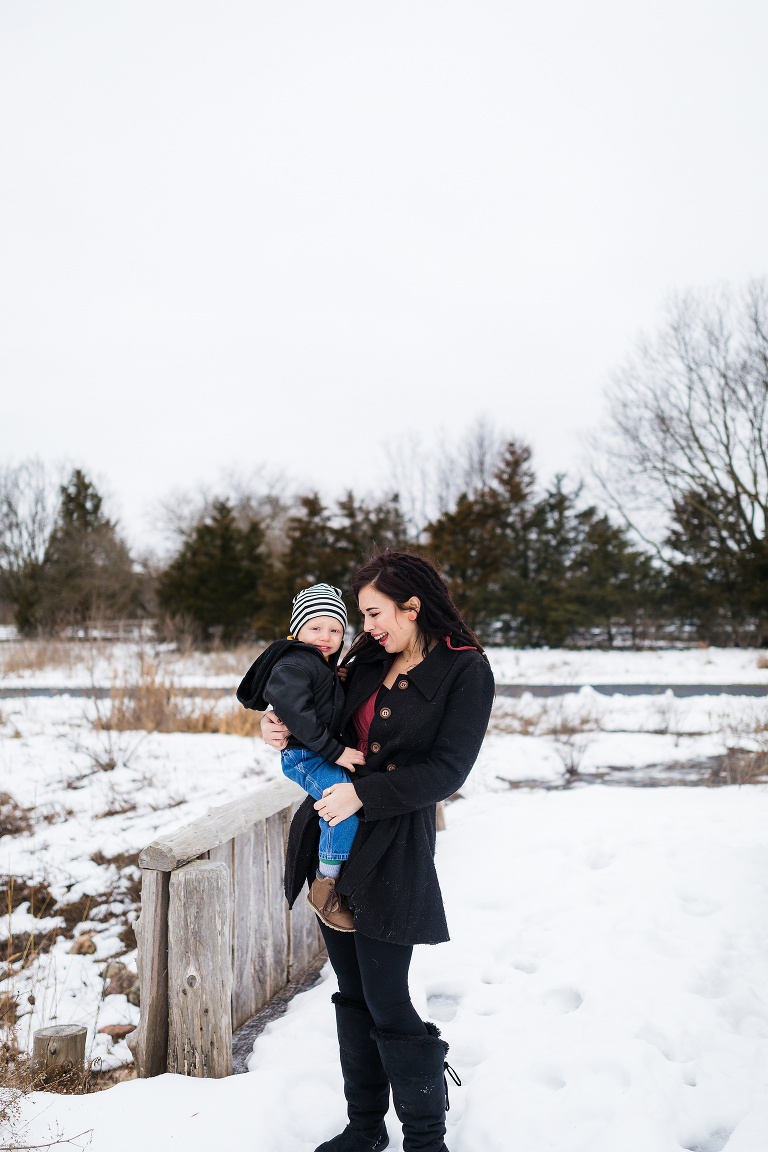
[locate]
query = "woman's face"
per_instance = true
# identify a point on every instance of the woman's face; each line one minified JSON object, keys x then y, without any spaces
{"x":389,"y":625}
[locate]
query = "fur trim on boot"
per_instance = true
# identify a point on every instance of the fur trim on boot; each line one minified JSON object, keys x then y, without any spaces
{"x":416,"y":1069}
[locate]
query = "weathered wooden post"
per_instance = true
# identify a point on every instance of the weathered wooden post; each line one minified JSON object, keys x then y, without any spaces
{"x":200,"y":970}
{"x":60,"y":1048}
{"x":215,"y":938}
{"x":149,"y":1043}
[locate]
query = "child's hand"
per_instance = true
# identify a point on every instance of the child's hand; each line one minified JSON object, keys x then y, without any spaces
{"x":349,"y":758}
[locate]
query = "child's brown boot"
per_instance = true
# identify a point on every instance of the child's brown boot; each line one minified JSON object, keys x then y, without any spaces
{"x":332,"y":908}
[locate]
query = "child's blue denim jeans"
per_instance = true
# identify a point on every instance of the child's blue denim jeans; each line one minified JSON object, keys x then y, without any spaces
{"x":314,"y":775}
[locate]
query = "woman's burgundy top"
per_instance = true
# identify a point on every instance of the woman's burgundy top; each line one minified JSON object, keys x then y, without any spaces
{"x":362,"y":721}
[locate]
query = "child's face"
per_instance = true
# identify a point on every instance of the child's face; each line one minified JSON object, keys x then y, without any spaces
{"x":323,"y":632}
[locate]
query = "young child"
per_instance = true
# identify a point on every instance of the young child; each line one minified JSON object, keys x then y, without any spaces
{"x":298,"y":678}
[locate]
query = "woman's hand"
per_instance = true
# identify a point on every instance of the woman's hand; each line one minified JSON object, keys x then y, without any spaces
{"x":273,"y":731}
{"x":338,"y":802}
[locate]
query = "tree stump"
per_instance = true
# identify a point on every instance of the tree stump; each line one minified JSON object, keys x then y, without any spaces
{"x":60,"y":1049}
{"x":200,"y":970}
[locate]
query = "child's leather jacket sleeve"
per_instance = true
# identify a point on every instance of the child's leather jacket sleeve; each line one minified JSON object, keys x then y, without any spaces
{"x":291,"y":692}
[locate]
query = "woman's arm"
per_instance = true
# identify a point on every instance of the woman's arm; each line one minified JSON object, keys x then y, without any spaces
{"x":424,"y":782}
{"x":273,"y":731}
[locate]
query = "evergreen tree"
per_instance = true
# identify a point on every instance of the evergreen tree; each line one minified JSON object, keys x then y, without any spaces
{"x":307,"y":558}
{"x":217,"y":578}
{"x":87,"y":571}
{"x":328,"y":547}
{"x":482,"y":545}
{"x":528,"y":571}
{"x":358,"y":530}
{"x":471,"y":546}
{"x":717,"y":571}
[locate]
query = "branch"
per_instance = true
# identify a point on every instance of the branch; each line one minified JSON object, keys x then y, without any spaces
{"x":50,"y":1144}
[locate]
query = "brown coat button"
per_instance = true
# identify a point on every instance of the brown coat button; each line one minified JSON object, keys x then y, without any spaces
{"x":385,"y":713}
{"x":402,"y":683}
{"x":375,"y":747}
{"x":391,"y":767}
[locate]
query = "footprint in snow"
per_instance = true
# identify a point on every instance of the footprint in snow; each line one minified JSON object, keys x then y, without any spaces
{"x":563,"y":999}
{"x":443,"y":1005}
{"x":715,"y":1141}
{"x":527,"y":966}
{"x":548,"y":1076}
{"x":695,"y":905}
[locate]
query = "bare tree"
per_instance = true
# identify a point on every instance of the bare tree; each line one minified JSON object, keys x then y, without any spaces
{"x":256,"y":495}
{"x":430,"y":480}
{"x":688,"y":421}
{"x":29,"y":503}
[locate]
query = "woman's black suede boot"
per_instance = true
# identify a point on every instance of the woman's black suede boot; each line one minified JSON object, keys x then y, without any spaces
{"x":416,"y":1066}
{"x":365,"y":1082}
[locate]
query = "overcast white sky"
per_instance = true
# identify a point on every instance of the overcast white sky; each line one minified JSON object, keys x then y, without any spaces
{"x":243,"y":233}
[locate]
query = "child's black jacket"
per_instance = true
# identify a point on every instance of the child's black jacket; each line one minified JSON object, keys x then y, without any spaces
{"x":304,"y":690}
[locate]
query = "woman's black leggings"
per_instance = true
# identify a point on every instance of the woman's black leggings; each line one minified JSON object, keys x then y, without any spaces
{"x":375,"y":973}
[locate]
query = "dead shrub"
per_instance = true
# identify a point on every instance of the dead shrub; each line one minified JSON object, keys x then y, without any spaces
{"x":14,"y":820}
{"x":745,"y":742}
{"x":515,"y":717}
{"x":762,"y":661}
{"x":572,"y":733}
{"x":37,"y":655}
{"x":154,"y":703}
{"x":9,"y":1010}
{"x":15,"y":891}
{"x":231,"y":661}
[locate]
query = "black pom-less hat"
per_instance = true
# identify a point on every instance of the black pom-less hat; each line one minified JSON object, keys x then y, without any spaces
{"x":319,"y":600}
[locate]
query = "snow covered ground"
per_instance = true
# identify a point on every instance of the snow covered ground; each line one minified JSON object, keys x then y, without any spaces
{"x":606,"y":986}
{"x":82,"y":665}
{"x":605,"y":989}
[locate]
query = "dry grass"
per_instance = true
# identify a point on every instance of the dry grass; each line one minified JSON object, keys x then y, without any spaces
{"x":14,"y":820}
{"x":230,"y":661}
{"x":762,"y":662}
{"x":35,"y":655}
{"x":151,"y":702}
{"x":745,"y":742}
{"x":516,"y":717}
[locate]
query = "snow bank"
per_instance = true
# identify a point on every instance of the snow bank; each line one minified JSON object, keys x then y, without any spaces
{"x":605,"y":988}
{"x":663,"y":666}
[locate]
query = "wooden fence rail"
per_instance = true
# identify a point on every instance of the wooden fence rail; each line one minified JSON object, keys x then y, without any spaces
{"x":215,"y":938}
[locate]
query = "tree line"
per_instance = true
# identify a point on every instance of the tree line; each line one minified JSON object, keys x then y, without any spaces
{"x":678,"y":550}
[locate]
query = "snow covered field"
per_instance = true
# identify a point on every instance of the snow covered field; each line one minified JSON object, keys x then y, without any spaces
{"x":604,"y":990}
{"x":83,"y":665}
{"x":606,"y":986}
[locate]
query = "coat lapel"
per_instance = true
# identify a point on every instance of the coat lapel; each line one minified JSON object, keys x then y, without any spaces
{"x":429,"y":675}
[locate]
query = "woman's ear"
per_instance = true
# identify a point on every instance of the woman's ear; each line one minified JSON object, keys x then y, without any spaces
{"x":412,"y":607}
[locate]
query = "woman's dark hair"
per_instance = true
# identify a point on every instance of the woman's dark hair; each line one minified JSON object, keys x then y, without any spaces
{"x":401,"y":575}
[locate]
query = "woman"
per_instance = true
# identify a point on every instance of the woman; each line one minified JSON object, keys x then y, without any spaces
{"x":419,"y":691}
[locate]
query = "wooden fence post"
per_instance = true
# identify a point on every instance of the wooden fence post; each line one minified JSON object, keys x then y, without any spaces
{"x":200,"y":970}
{"x":60,"y":1047}
{"x":149,"y":1043}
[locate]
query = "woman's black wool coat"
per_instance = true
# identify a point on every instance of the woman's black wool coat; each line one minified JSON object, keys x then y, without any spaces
{"x":424,"y":738}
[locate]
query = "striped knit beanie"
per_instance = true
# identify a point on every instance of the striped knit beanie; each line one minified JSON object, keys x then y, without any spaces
{"x":319,"y":600}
